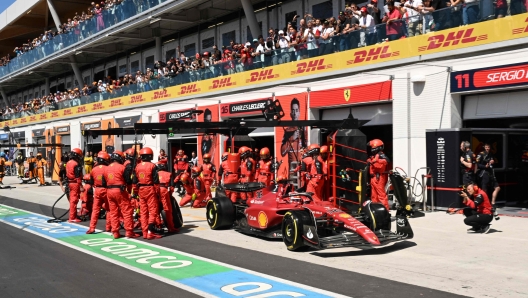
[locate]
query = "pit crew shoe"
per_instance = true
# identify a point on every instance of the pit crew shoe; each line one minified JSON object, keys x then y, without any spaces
{"x":485,"y":229}
{"x":90,"y":231}
{"x":471,"y":230}
{"x":74,"y":220}
{"x":152,"y":236}
{"x":131,"y":235}
{"x":117,"y":235}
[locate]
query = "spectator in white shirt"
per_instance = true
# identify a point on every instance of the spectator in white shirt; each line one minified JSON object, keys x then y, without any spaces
{"x":367,"y":23}
{"x":310,"y":37}
{"x":325,"y":42}
{"x":413,"y":17}
{"x":284,"y":42}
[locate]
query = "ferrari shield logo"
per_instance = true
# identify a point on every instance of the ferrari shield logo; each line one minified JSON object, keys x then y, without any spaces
{"x":346,"y":94}
{"x":110,"y":176}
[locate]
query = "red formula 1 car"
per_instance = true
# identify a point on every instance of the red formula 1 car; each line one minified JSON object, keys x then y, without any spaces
{"x":280,"y":212}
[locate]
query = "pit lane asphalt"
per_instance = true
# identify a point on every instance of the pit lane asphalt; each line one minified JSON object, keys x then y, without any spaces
{"x":32,"y":266}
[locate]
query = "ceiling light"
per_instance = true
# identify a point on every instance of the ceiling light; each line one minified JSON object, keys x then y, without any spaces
{"x":132,"y":53}
{"x":169,"y":40}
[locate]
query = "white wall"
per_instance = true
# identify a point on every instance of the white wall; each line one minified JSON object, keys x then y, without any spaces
{"x":205,"y":34}
{"x":77,"y":140}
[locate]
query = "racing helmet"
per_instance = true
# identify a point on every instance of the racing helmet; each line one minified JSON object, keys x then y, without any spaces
{"x":376,"y":146}
{"x":146,"y":154}
{"x":244,"y":151}
{"x":87,"y":178}
{"x":264,"y":153}
{"x":324,"y":151}
{"x":224,"y":156}
{"x":196,"y":171}
{"x":313,"y":149}
{"x":76,"y":153}
{"x":118,"y":156}
{"x":162,"y":165}
{"x":129,"y":153}
{"x":184,"y":178}
{"x":103,"y":157}
{"x":207,"y":158}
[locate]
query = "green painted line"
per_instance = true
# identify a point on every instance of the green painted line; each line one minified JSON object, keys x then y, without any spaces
{"x":159,"y":261}
{"x":6,"y":211}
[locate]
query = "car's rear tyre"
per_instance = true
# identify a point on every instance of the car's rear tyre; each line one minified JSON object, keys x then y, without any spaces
{"x":292,"y":229}
{"x":220,"y":213}
{"x":177,"y":217}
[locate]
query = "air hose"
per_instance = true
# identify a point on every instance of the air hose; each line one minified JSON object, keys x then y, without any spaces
{"x":55,"y":218}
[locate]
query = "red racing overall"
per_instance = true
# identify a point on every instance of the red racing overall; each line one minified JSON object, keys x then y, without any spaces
{"x":100,"y":197}
{"x":317,"y":179}
{"x":188,"y":184}
{"x":166,"y":190}
{"x":74,"y":175}
{"x":306,"y":167}
{"x":378,"y":178}
{"x":87,"y":200}
{"x":199,"y":193}
{"x":118,"y":198}
{"x":247,"y":174}
{"x":264,"y":172}
{"x":147,"y":187}
{"x":208,"y":176}
{"x":230,"y":176}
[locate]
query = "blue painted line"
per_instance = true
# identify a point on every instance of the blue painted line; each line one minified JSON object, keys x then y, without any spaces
{"x":249,"y":285}
{"x":39,"y":224}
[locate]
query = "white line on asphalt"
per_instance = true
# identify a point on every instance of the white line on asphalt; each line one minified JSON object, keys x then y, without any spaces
{"x":192,"y":290}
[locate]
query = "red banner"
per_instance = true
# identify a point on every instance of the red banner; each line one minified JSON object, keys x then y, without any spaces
{"x":349,"y":95}
{"x":290,"y":140}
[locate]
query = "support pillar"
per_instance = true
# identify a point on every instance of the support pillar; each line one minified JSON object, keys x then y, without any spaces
{"x":54,"y":14}
{"x":77,"y":71}
{"x":4,"y":97}
{"x":47,"y":86}
{"x":251,"y":18}
{"x":158,"y":52}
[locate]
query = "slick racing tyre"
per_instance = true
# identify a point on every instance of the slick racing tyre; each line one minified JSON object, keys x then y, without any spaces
{"x":220,"y":213}
{"x":292,"y":228}
{"x":176,"y":214}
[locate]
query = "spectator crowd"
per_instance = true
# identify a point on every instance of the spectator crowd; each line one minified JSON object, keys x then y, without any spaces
{"x":302,"y":38}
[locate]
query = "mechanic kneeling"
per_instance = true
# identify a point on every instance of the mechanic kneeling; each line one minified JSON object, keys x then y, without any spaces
{"x":478,"y":215}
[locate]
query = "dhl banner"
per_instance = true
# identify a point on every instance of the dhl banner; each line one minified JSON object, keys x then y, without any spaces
{"x":209,"y":143}
{"x":453,"y":39}
{"x":290,"y":141}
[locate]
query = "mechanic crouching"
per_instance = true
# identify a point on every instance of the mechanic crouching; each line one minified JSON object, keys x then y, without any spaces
{"x":478,"y":214}
{"x":188,"y":185}
{"x":199,"y":196}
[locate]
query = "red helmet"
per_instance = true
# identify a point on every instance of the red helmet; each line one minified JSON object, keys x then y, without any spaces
{"x":207,"y":158}
{"x":376,"y":146}
{"x":129,"y":153}
{"x":87,"y":178}
{"x":184,"y":178}
{"x":76,"y":153}
{"x":146,"y":154}
{"x":324,"y":151}
{"x":264,"y":153}
{"x":244,"y":151}
{"x":196,"y":171}
{"x":224,"y":156}
{"x":118,"y":156}
{"x":103,"y":157}
{"x":313,"y":149}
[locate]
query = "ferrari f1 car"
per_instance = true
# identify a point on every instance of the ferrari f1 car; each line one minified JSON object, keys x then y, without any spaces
{"x":280,"y":212}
